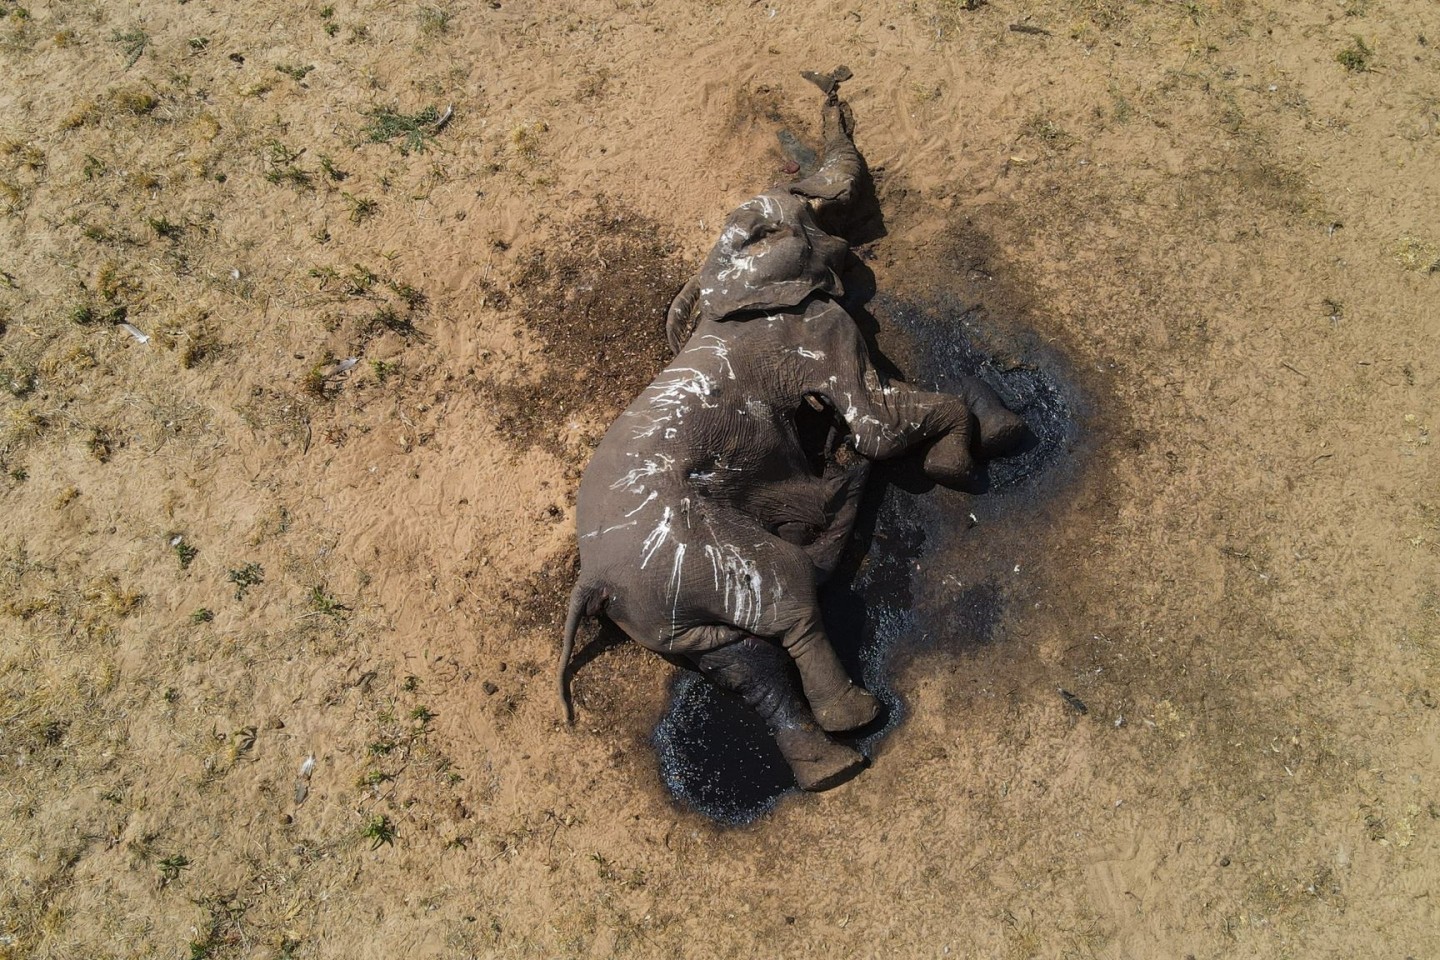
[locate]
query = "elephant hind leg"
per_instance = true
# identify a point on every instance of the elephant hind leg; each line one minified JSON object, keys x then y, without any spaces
{"x":758,"y":672}
{"x":838,"y":703}
{"x":765,"y":587}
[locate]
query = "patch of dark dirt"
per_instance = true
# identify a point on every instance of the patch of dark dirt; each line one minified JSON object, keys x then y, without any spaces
{"x":758,"y":105}
{"x":597,"y":305}
{"x":538,"y":603}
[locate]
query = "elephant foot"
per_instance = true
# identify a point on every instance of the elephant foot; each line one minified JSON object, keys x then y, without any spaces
{"x":818,"y":762}
{"x":999,"y":429}
{"x":851,"y":709}
{"x":948,"y":461}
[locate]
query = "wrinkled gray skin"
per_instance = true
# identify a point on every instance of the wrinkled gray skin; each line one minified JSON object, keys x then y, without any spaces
{"x":706,"y":524}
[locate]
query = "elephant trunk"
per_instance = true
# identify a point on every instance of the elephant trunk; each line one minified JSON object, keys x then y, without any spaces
{"x":833,"y":185}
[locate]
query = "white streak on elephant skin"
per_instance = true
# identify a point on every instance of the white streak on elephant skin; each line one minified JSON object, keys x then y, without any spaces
{"x":687,"y":382}
{"x":717,"y":346}
{"x":676,"y":581}
{"x":737,"y":266}
{"x":810,"y":354}
{"x":618,"y":526}
{"x":884,"y":428}
{"x":655,"y":424}
{"x":644,"y":503}
{"x":631,"y":479}
{"x":767,"y":206}
{"x":741,"y":582}
{"x":656,"y":537}
{"x":713,"y":553}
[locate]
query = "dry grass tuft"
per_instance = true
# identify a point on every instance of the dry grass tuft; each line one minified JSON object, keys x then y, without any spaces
{"x":1417,"y":254}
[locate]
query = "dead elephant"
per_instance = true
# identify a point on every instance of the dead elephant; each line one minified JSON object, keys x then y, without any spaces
{"x":713,"y":508}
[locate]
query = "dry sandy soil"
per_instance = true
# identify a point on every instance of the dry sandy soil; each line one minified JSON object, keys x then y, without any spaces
{"x":276,"y":639}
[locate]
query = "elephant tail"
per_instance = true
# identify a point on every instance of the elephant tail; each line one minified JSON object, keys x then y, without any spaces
{"x":585,"y":600}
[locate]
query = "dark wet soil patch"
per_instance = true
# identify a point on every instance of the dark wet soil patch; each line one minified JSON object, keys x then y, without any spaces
{"x":716,"y":756}
{"x":597,"y":304}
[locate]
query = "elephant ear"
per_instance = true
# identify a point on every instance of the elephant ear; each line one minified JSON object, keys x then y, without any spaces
{"x":681,"y":318}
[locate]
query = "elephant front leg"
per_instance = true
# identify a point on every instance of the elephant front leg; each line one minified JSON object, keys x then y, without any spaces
{"x":829,"y":544}
{"x":998,"y":429}
{"x":987,"y":428}
{"x":755,"y":670}
{"x":887,"y":420}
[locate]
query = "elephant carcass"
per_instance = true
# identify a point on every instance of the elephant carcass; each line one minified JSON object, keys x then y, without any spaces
{"x":709,"y":515}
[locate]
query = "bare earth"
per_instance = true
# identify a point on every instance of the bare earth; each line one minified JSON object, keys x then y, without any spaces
{"x":1225,"y":215}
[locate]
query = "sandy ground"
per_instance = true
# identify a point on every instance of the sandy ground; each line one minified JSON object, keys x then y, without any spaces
{"x":276,"y":644}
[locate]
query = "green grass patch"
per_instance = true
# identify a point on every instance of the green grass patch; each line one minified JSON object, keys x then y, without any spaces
{"x":413,"y":130}
{"x":250,"y":575}
{"x":132,"y":44}
{"x":1356,"y":57}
